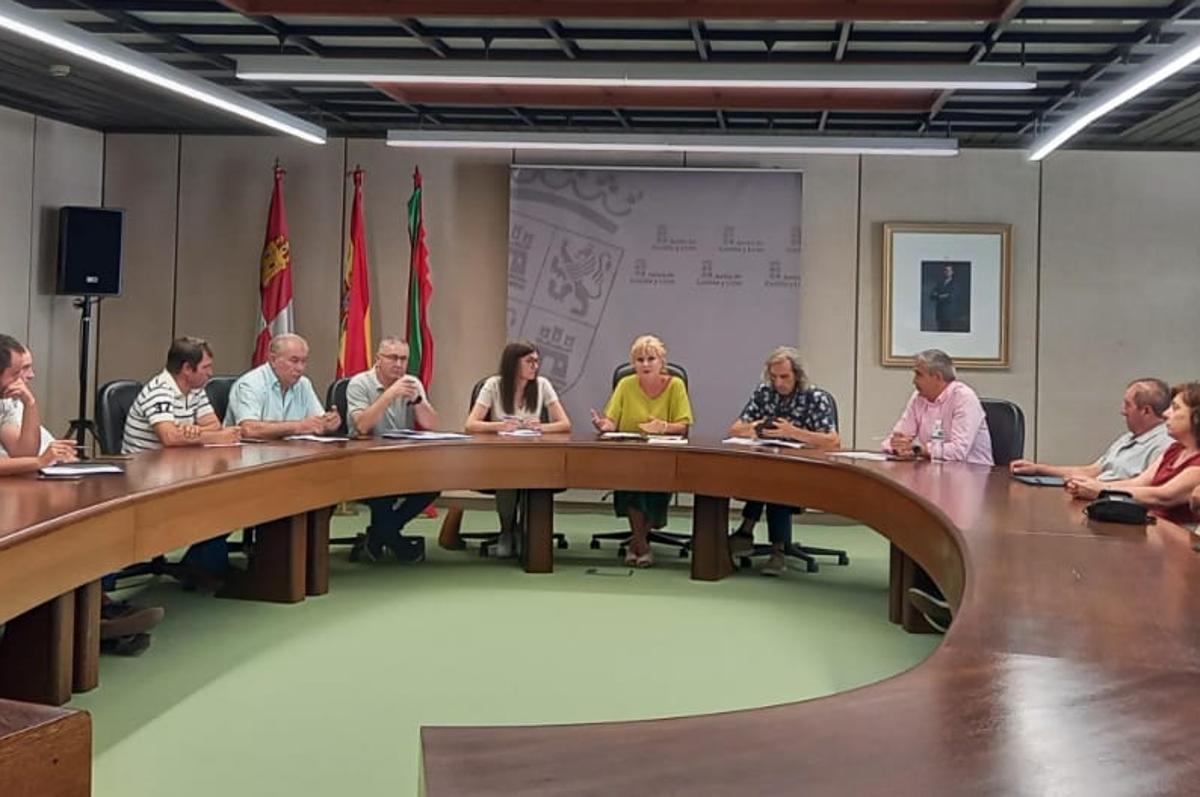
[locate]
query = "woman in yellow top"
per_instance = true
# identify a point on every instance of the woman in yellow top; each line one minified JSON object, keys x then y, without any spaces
{"x":650,"y":401}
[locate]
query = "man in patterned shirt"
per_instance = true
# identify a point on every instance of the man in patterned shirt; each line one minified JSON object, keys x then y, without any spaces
{"x":783,"y":407}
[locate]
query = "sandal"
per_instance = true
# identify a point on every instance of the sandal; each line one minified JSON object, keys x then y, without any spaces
{"x":644,"y":560}
{"x":630,"y":557}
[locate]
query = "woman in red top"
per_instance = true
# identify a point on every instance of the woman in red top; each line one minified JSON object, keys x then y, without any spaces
{"x":1166,"y":486}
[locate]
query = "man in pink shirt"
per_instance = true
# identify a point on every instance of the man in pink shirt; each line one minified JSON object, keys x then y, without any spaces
{"x":944,"y":419}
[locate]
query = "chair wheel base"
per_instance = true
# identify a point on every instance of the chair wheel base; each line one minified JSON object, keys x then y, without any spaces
{"x":594,"y":545}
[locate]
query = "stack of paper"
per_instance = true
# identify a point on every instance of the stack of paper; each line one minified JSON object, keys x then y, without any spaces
{"x":317,"y":438}
{"x":667,"y":439}
{"x":761,"y":442}
{"x":521,"y":433}
{"x":620,"y":436}
{"x":421,"y":434}
{"x":73,"y":469}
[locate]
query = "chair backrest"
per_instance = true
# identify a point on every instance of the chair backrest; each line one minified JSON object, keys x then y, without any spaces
{"x":1006,"y":423}
{"x":113,"y":401}
{"x":217,"y":390}
{"x":475,"y":391}
{"x":625,"y":369}
{"x":335,"y":397}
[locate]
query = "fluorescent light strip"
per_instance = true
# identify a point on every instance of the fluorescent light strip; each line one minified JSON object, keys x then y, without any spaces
{"x":601,"y":142}
{"x":61,"y":36}
{"x":634,"y":75}
{"x":1145,"y":77}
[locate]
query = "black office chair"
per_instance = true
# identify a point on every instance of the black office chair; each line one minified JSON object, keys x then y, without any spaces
{"x":681,"y":542}
{"x":217,"y":389}
{"x":1006,"y":426}
{"x":335,"y":397}
{"x":113,"y":401}
{"x":804,"y":553}
{"x":488,"y":539}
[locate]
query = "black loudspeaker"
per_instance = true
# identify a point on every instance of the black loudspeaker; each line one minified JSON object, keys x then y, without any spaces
{"x":89,"y":251}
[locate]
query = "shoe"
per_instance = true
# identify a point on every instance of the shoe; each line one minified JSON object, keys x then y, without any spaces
{"x":130,"y":645}
{"x":630,"y":557}
{"x":450,"y":535}
{"x":741,"y":544}
{"x":120,"y":619}
{"x":935,"y":610}
{"x":503,"y":549}
{"x":775,"y":566}
{"x":366,"y":549}
{"x":644,"y":560}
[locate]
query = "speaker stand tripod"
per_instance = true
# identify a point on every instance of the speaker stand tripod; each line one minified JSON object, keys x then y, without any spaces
{"x":81,"y":426}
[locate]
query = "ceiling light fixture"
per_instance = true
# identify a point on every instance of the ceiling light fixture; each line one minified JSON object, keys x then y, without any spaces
{"x":933,"y":77}
{"x":1152,"y":72}
{"x":693,"y":143}
{"x":62,"y":36}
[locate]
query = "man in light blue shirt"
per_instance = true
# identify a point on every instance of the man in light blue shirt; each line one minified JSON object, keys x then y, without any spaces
{"x":276,"y":399}
{"x":1143,"y":406}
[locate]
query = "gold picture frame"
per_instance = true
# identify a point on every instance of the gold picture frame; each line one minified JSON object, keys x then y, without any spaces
{"x":948,"y":287}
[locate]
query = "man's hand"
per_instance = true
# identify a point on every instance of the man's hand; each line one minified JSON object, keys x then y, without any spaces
{"x":902,"y":444}
{"x":1023,"y":467}
{"x":314,"y":424}
{"x":781,"y":429}
{"x":330,"y":421}
{"x":189,"y":431}
{"x":232,"y":434}
{"x":406,"y":387}
{"x":58,"y":451}
{"x":19,"y":390}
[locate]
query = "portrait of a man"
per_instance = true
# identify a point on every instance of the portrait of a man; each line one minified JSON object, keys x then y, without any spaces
{"x":945,"y":296}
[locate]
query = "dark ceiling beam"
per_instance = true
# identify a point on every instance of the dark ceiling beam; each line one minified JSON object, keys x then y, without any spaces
{"x":416,"y":30}
{"x":981,"y":50}
{"x":702,"y":49}
{"x":1096,"y":12}
{"x":622,"y":118}
{"x":1118,"y":55}
{"x":879,"y":10}
{"x":280,"y":32}
{"x":136,"y":25}
{"x":554,"y":29}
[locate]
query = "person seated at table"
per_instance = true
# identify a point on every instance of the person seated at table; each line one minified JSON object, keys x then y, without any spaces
{"x":651,"y":401}
{"x":25,"y":447}
{"x":170,"y":411}
{"x":276,"y":399}
{"x":386,"y":399}
{"x":1166,"y":486}
{"x":784,"y":406}
{"x":1143,"y":406}
{"x":172,"y":408}
{"x":943,"y":419}
{"x":514,"y":399}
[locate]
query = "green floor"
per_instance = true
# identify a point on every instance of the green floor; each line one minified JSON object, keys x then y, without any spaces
{"x":327,"y":697}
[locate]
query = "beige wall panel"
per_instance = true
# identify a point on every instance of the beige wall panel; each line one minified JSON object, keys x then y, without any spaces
{"x":225,"y":191}
{"x":976,"y":186}
{"x":466,"y":220}
{"x":68,"y":170}
{"x":1120,"y":282}
{"x":828,"y":257}
{"x":16,"y":192}
{"x":141,"y":176}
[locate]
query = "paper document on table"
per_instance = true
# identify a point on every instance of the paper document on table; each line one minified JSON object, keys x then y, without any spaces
{"x":620,"y":436}
{"x":521,"y":433}
{"x":755,"y":442}
{"x":667,"y":439}
{"x":80,"y":469}
{"x":422,"y":434}
{"x":873,"y":456}
{"x":317,"y":438}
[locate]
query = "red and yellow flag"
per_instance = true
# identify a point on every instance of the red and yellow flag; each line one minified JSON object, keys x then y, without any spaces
{"x":354,"y":347}
{"x":275,"y":275}
{"x":420,"y":290}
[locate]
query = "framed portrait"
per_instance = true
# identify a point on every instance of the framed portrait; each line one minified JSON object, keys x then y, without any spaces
{"x":946,"y":286}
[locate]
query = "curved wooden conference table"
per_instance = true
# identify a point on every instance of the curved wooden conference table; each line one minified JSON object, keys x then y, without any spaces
{"x":1072,"y":667}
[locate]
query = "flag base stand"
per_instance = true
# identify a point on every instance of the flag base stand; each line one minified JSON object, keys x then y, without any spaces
{"x":345,"y":509}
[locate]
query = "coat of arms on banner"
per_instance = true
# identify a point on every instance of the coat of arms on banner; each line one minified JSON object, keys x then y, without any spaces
{"x":560,"y":277}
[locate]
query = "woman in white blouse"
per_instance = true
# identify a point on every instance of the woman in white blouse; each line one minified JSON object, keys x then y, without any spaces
{"x":514,"y":400}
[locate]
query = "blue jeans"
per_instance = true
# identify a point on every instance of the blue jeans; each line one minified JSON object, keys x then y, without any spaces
{"x":388,"y":519}
{"x":779,"y":520}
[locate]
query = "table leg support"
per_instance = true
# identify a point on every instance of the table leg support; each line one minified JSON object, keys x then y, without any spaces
{"x":710,"y":538}
{"x":86,"y":654}
{"x":276,"y":571}
{"x":903,"y":574}
{"x":36,"y":654}
{"x":538,"y":550}
{"x":316,"y":580}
